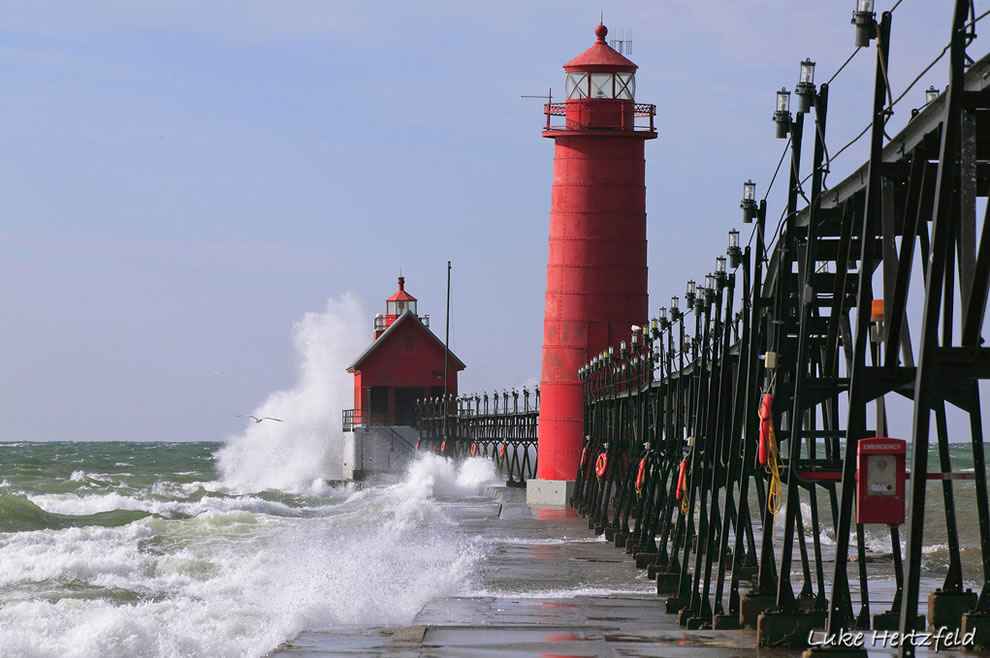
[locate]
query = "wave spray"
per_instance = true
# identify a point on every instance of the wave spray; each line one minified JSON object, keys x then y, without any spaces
{"x":301,"y":453}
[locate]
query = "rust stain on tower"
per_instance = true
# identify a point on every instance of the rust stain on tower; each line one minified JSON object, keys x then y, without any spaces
{"x":596,"y":270}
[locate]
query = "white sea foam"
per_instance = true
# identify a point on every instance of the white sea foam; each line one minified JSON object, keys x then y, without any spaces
{"x":76,"y":505}
{"x":238,"y":581}
{"x":305,"y":450}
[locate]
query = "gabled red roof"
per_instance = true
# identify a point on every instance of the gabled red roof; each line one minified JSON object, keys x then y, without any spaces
{"x":402,"y":295}
{"x":407,"y":316}
{"x":601,"y":58}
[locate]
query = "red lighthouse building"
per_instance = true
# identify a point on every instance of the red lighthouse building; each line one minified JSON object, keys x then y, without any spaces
{"x":405,"y":362}
{"x":596,"y":270}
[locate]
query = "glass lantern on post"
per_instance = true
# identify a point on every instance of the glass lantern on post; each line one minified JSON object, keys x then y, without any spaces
{"x":662,"y":314}
{"x":689,"y":292}
{"x":782,"y":117}
{"x":805,"y":88}
{"x":675,"y":312}
{"x":865,"y":21}
{"x":720,"y":275}
{"x":709,"y":286}
{"x":748,"y":203}
{"x":931,"y":94}
{"x":734,"y":252}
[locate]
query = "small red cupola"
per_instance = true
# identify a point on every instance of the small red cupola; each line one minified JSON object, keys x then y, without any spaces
{"x":395,"y":306}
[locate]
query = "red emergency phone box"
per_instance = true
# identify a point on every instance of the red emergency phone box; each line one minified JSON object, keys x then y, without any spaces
{"x":880,"y":475}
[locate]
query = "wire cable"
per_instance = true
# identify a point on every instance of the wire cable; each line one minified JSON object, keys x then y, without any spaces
{"x":777,"y":170}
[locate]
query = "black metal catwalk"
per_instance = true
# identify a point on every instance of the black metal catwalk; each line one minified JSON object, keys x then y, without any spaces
{"x":740,"y":411}
{"x":717,"y":432}
{"x":501,"y":428}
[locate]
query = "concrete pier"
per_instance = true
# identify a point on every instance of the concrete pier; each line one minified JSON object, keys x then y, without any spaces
{"x":522,"y":615}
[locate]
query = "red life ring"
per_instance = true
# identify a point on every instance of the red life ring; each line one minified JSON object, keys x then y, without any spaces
{"x":501,"y":450}
{"x":474,"y":449}
{"x":640,"y":474}
{"x":680,"y":478}
{"x":765,"y":413}
{"x":443,"y":447}
{"x":601,"y":464}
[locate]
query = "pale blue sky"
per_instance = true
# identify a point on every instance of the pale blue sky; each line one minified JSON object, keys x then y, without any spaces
{"x":183,"y":180}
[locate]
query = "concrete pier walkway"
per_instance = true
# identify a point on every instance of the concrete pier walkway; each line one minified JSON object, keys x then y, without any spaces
{"x":556,"y":590}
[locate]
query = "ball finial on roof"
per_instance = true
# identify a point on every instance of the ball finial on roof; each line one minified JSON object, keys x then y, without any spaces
{"x":600,"y":32}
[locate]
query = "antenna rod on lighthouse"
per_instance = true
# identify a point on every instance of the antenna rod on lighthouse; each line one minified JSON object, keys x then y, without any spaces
{"x":446,"y":353}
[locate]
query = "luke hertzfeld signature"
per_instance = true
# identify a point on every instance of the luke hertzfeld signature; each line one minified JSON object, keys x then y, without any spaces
{"x":943,"y":638}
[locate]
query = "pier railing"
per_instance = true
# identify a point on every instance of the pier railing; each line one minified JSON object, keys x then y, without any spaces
{"x":745,"y":409}
{"x":500,"y":427}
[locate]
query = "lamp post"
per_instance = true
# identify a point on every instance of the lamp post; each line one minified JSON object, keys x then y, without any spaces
{"x":733,"y":251}
{"x":865,"y":21}
{"x":689,"y":292}
{"x":720,"y":271}
{"x":748,"y":203}
{"x":782,"y":117}
{"x":805,"y":88}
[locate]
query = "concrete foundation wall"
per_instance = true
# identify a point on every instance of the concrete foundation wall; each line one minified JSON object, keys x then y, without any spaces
{"x":379,"y":450}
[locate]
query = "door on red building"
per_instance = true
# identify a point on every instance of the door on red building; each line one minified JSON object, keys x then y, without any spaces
{"x":405,"y":405}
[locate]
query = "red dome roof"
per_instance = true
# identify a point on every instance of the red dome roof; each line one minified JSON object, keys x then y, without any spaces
{"x":600,"y":58}
{"x":402,"y":295}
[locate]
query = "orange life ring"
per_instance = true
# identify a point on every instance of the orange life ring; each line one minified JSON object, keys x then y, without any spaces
{"x":765,"y":413}
{"x":601,"y":464}
{"x":474,"y":449}
{"x":640,"y":474}
{"x":443,"y":446}
{"x":680,"y":478}
{"x":501,"y":450}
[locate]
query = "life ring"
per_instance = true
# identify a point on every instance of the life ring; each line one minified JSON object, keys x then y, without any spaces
{"x":443,"y":446}
{"x":766,"y":414}
{"x":601,"y":464}
{"x":584,"y":453}
{"x":639,"y":476}
{"x":680,"y":478}
{"x":501,"y":451}
{"x":474,"y":449}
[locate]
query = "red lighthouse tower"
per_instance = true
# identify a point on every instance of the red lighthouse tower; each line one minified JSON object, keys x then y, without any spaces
{"x":596,"y":271}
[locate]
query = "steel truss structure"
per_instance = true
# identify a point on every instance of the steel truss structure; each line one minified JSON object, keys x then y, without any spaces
{"x":673,"y":458}
{"x":479,"y":426}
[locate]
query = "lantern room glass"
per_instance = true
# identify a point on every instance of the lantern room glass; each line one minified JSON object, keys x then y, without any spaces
{"x":865,"y":6}
{"x":581,"y":84}
{"x":399,"y":307}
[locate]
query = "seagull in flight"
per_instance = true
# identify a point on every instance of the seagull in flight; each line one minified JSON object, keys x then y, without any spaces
{"x":258,"y":420}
